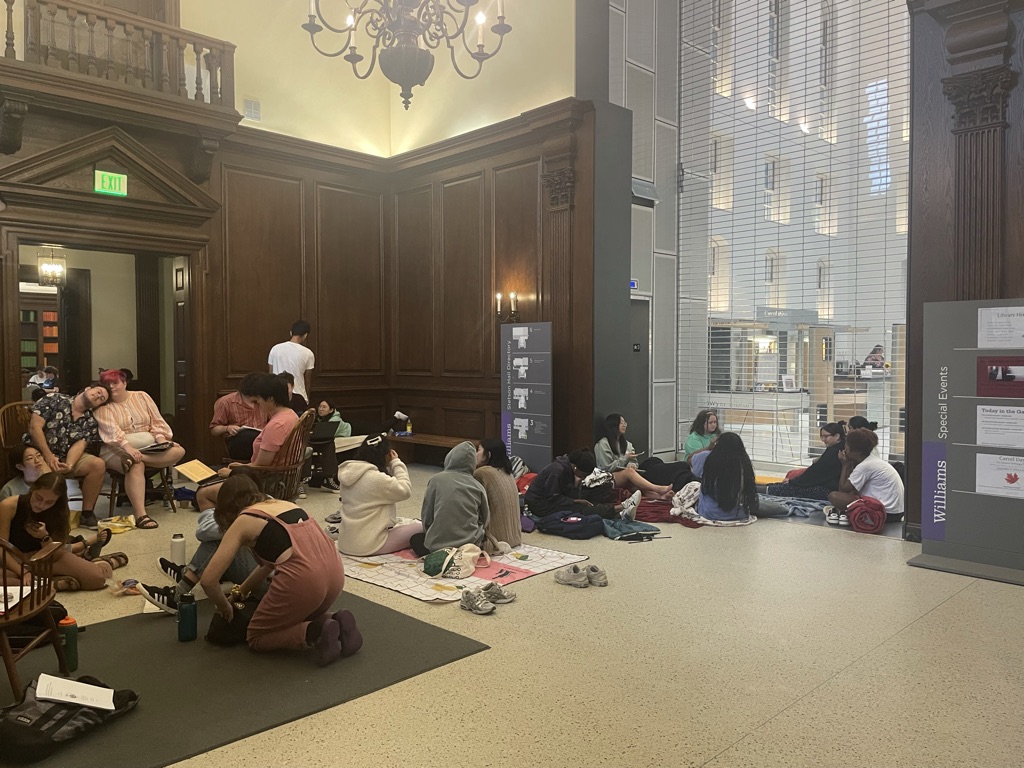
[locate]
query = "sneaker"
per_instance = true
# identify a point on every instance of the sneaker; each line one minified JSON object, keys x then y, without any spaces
{"x":497,"y":594}
{"x":174,"y":571}
{"x":844,"y":520}
{"x":164,"y":598}
{"x":629,"y":507}
{"x":334,"y":517}
{"x":597,"y":576}
{"x":89,"y":520}
{"x":831,"y":516}
{"x":572,"y":576}
{"x":331,"y":485}
{"x":302,"y":490}
{"x":332,"y":531}
{"x":474,"y":600}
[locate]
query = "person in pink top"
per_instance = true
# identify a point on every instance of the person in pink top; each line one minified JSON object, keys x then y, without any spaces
{"x":131,"y":426}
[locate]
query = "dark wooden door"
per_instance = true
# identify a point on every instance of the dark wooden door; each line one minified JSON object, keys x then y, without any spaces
{"x":75,"y":333}
{"x":182,"y":350}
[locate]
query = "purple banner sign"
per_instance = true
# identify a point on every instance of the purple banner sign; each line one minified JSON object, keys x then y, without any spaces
{"x":933,"y":491}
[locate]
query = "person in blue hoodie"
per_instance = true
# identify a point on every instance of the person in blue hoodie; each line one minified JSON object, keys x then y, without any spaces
{"x":455,"y":510}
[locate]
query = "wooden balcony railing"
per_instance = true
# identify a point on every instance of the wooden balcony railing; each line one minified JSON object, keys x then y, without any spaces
{"x":91,"y":40}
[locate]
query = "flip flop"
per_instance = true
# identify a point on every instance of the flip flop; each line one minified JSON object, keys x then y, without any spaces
{"x":115,"y":560}
{"x":102,"y":539}
{"x":67,"y":584}
{"x":146,"y":522}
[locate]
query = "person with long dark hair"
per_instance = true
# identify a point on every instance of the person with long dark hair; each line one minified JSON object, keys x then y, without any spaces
{"x":703,"y":430}
{"x":307,"y":574}
{"x":371,"y":485}
{"x":727,"y":490}
{"x":822,"y":477}
{"x":31,"y":521}
{"x":615,"y":454}
{"x":494,"y":473}
{"x":865,"y":474}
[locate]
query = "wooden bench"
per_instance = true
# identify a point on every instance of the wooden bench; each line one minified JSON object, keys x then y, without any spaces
{"x":433,"y":448}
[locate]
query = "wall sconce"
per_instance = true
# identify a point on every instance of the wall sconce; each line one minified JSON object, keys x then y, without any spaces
{"x":513,"y":314}
{"x":53,"y":269}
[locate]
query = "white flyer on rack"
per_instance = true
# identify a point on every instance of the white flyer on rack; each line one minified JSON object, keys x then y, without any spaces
{"x":1001,"y":328}
{"x":1000,"y":475}
{"x":1000,"y":426}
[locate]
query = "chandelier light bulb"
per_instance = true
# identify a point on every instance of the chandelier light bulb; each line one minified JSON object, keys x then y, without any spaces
{"x":350,"y":21}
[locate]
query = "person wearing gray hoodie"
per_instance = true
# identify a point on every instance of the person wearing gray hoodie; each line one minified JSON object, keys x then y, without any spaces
{"x":455,"y":510}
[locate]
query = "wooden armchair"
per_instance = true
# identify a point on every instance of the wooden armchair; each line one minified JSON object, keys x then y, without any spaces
{"x":282,"y":480}
{"x":14,"y":419}
{"x":35,"y":601}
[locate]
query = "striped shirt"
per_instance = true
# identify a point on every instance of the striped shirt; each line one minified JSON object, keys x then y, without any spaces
{"x":232,"y":409}
{"x":138,"y":413}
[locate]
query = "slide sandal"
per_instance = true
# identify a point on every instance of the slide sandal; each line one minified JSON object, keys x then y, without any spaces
{"x":146,"y":522}
{"x":103,"y":537}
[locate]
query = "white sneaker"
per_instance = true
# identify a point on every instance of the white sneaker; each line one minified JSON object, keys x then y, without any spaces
{"x":629,"y":507}
{"x":572,"y":576}
{"x":831,"y":516}
{"x":302,"y":490}
{"x":843,"y":520}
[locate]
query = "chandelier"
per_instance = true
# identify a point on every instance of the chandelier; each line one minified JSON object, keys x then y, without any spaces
{"x":402,"y":34}
{"x":53,"y":269}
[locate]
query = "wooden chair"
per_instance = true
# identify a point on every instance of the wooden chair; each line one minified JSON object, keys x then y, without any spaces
{"x":117,"y":487}
{"x":282,"y":480}
{"x":14,"y":419}
{"x":14,"y":567}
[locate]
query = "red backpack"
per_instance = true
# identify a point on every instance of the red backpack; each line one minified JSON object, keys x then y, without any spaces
{"x":867,"y":515}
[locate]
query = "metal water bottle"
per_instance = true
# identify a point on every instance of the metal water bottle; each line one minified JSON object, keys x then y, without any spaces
{"x":188,"y":618}
{"x":178,"y":548}
{"x":68,"y":629}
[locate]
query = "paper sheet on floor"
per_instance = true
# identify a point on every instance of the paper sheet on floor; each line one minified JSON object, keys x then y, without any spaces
{"x":403,"y":571}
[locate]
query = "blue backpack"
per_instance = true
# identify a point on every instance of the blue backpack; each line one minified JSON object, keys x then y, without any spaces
{"x":571,"y":525}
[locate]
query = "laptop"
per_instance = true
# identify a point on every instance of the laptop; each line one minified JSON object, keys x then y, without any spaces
{"x":323,"y":432}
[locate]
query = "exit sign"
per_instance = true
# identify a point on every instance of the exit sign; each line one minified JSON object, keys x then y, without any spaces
{"x":108,"y":183}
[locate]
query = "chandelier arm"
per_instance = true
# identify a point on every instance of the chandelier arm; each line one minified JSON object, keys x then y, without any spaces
{"x":369,"y":68}
{"x":358,"y":13}
{"x":458,"y":69}
{"x":328,"y":54}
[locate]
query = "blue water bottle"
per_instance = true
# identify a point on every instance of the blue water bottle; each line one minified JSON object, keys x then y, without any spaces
{"x":188,"y":618}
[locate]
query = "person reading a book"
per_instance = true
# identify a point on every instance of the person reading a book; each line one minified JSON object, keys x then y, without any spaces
{"x":136,"y":438}
{"x":308,"y":576}
{"x":272,"y":395}
{"x":31,"y":521}
{"x":238,"y":418}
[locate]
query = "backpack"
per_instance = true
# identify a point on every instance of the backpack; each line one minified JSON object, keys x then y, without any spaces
{"x":866,"y":514}
{"x":33,"y":729}
{"x":571,"y":525}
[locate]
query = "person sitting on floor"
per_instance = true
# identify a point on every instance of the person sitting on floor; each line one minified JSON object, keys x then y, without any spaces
{"x":272,"y":395}
{"x":703,"y":430}
{"x":28,"y":463}
{"x":494,"y":473}
{"x":557,"y":488}
{"x":822,"y":477}
{"x":325,"y":458}
{"x":61,"y":428}
{"x":727,"y":490}
{"x":616,"y":455}
{"x":371,"y":485}
{"x":186,"y":577}
{"x":455,"y":510}
{"x":32,"y":520}
{"x":235,"y":411}
{"x":307,"y":570}
{"x":129,"y":425}
{"x":865,"y":474}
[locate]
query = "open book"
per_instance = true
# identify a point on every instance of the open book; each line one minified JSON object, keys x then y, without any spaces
{"x":197,"y":472}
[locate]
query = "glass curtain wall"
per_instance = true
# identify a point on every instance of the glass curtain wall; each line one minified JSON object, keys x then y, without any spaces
{"x":794,"y":146}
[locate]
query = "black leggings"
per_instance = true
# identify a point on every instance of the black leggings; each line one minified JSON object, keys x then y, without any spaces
{"x":325,"y":462}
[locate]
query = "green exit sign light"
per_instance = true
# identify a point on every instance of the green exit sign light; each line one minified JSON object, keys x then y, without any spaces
{"x":107,"y":183}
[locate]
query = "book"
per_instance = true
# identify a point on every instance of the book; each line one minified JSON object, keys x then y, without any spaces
{"x":156,"y":447}
{"x":52,"y":688}
{"x":250,"y":429}
{"x":196,"y":471}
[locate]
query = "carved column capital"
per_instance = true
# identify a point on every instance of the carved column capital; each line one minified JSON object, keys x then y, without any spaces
{"x":200,"y":161}
{"x":12,"y":122}
{"x":979,"y":98}
{"x":561,"y":188}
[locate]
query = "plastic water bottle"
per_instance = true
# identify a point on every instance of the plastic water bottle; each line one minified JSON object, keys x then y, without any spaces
{"x":188,"y":618}
{"x":178,"y":548}
{"x":408,"y":425}
{"x":68,"y":629}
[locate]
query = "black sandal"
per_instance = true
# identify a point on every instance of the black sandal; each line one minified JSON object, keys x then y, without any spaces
{"x":146,"y":523}
{"x":103,"y":537}
{"x":115,"y":560}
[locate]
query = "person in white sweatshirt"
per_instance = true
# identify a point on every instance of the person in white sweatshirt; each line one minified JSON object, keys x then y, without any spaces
{"x":370,"y":486}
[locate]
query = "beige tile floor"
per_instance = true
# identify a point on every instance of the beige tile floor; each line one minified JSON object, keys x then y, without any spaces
{"x":770,"y":645}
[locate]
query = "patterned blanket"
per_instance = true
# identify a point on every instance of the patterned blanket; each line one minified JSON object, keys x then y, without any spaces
{"x":403,"y":571}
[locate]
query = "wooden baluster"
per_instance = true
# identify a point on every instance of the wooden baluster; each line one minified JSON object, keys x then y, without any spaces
{"x":9,"y":51}
{"x":90,"y":22}
{"x":147,"y":73}
{"x":32,"y":33}
{"x":199,"y":71}
{"x":182,"y":84}
{"x":72,"y":40}
{"x":129,"y":58}
{"x":110,"y":24}
{"x":213,"y":67}
{"x":165,"y":75}
{"x":227,"y":77}
{"x":51,"y":51}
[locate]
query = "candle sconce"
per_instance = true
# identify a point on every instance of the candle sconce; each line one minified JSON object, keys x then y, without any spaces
{"x":513,"y":313}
